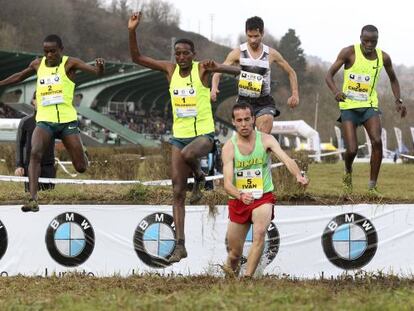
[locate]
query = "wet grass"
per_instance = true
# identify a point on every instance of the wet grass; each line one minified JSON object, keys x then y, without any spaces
{"x":325,"y":188}
{"x":153,"y":292}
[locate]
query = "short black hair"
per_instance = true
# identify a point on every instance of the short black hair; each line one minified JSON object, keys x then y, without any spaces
{"x":54,"y":38}
{"x":185,"y":41}
{"x":369,"y":28}
{"x":242,"y":106}
{"x":254,"y":23}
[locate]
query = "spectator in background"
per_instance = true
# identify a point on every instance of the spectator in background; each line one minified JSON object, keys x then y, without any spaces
{"x":24,"y":147}
{"x":77,"y":100}
{"x":7,"y":112}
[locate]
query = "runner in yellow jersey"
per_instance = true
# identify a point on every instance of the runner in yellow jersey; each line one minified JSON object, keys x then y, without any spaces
{"x":358,"y":100}
{"x":193,"y":123}
{"x":56,"y":117}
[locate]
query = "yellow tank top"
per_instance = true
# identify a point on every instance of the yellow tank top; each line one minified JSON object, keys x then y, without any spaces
{"x":361,"y":80}
{"x":54,"y":94}
{"x":191,"y":106}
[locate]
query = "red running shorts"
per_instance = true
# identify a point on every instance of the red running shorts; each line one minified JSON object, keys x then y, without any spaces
{"x":241,"y":213}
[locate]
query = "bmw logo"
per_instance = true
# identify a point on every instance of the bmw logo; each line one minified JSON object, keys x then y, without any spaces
{"x":350,"y":241}
{"x":70,"y":239}
{"x":154,"y":239}
{"x":3,"y":240}
{"x":272,"y":242}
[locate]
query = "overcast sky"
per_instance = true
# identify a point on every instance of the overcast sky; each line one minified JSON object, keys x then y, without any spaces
{"x":323,"y":26}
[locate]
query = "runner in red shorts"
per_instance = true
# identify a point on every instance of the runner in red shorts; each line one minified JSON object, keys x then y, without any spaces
{"x":248,"y":181}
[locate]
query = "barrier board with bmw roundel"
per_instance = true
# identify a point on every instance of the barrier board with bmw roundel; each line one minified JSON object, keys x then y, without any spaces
{"x":70,"y":239}
{"x":3,"y":240}
{"x":154,"y":239}
{"x":271,"y":248}
{"x":350,"y":241}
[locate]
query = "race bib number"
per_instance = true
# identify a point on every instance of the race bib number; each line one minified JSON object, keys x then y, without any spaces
{"x":359,"y":87}
{"x":250,"y":84}
{"x":51,"y":90}
{"x":250,"y":181}
{"x":185,"y":102}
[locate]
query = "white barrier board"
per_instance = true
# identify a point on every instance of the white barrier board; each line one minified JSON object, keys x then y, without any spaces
{"x":104,"y":240}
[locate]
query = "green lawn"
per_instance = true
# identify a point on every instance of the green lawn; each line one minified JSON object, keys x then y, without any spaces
{"x":212,"y":293}
{"x":325,"y":188}
{"x":204,"y":293}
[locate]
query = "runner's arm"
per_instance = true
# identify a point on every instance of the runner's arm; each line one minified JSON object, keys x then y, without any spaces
{"x":213,"y":66}
{"x":77,"y":64}
{"x":232,"y":58}
{"x":20,"y":142}
{"x":228,"y":169}
{"x":329,"y":79}
{"x":22,"y":75}
{"x":269,"y":142}
{"x":395,"y":85}
{"x":136,"y":55}
{"x":277,"y":58}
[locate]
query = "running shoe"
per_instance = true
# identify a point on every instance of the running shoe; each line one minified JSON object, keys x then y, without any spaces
{"x":198,"y":185}
{"x":229,"y":273}
{"x":373,"y":192}
{"x":30,"y":206}
{"x":179,"y":253}
{"x":347,"y":183}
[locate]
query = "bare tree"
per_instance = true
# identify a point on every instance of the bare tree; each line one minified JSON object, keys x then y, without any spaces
{"x":161,"y":12}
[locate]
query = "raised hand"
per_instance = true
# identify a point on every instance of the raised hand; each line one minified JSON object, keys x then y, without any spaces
{"x":210,"y":65}
{"x":100,"y":62}
{"x":134,"y":20}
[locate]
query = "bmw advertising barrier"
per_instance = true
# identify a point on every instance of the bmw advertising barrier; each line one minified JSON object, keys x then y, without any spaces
{"x":107,"y":240}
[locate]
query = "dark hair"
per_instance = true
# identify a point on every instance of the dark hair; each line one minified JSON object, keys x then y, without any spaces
{"x":54,"y":38}
{"x":185,"y":41}
{"x":242,"y":106}
{"x":369,"y":28}
{"x":254,"y":23}
{"x":34,"y":95}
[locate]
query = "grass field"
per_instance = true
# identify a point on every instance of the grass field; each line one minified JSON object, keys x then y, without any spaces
{"x":325,"y":188}
{"x":153,"y":292}
{"x":204,"y":293}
